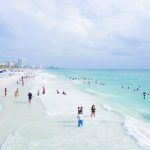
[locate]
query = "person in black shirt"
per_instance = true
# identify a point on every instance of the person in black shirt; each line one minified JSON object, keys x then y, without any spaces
{"x":29,"y":97}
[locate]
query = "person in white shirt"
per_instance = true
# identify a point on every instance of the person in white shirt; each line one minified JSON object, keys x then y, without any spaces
{"x":80,"y":119}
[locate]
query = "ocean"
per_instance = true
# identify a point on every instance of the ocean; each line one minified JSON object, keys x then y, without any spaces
{"x":122,"y":91}
{"x":124,"y":88}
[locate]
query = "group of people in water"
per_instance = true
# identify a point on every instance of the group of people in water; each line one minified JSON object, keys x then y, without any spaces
{"x":137,"y":89}
{"x":89,"y":81}
{"x":80,"y":114}
{"x":86,"y":80}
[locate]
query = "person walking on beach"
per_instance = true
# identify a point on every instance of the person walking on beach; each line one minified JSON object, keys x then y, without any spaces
{"x":29,"y":97}
{"x":93,"y":109}
{"x":43,"y":90}
{"x":80,"y":119}
{"x":17,"y":93}
{"x":38,"y":93}
{"x":5,"y":92}
{"x":22,"y":81}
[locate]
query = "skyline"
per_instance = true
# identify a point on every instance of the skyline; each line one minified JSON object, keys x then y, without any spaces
{"x":77,"y":34}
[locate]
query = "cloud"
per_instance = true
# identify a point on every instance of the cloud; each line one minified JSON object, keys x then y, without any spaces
{"x":74,"y":33}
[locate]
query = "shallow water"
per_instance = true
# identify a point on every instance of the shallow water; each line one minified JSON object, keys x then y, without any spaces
{"x":124,"y":100}
{"x":122,"y":120}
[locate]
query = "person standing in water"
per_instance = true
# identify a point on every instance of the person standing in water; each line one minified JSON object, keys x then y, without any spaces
{"x":93,"y":109}
{"x":43,"y":90}
{"x":80,"y":119}
{"x":29,"y":97}
{"x":144,"y":94}
{"x":5,"y":92}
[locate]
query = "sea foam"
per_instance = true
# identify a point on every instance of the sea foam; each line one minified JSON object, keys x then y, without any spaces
{"x":92,"y":92}
{"x":139,"y":132}
{"x":9,"y":141}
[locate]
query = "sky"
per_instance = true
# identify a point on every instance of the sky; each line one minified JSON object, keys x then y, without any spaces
{"x":76,"y":33}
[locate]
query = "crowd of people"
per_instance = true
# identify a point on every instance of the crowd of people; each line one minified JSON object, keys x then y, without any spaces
{"x":137,"y":89}
{"x":22,"y":82}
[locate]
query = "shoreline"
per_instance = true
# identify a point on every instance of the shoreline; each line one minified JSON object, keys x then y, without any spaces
{"x":61,"y":113}
{"x":17,"y":111}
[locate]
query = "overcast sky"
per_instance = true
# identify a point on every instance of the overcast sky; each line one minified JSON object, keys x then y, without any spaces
{"x":76,"y":33}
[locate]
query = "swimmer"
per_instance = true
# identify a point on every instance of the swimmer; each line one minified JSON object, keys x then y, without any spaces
{"x":144,"y":93}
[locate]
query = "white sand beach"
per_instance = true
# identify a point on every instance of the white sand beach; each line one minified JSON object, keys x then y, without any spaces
{"x":50,"y":121}
{"x":16,"y":111}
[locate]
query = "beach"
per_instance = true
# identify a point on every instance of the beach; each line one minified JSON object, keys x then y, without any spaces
{"x":16,"y":111}
{"x":50,"y":121}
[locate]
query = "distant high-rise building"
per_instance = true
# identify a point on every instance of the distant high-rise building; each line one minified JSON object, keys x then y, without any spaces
{"x":21,"y":62}
{"x":11,"y":63}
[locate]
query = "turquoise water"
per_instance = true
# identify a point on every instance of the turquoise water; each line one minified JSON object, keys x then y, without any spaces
{"x":124,"y":99}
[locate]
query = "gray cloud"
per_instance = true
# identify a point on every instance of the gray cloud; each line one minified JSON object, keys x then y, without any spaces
{"x":74,"y":33}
